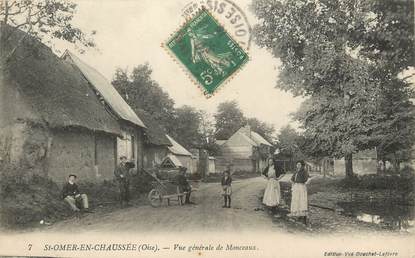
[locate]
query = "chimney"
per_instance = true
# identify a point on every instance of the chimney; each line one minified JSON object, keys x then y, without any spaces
{"x":246,"y":130}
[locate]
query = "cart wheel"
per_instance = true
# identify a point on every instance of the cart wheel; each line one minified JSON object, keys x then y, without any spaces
{"x":154,"y":196}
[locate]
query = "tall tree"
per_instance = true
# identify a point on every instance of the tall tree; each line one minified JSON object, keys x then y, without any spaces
{"x":228,"y":119}
{"x":187,"y":127}
{"x":395,"y":127}
{"x":207,"y":126}
{"x":389,"y":44}
{"x":45,"y":20}
{"x":290,"y":143}
{"x":264,"y":129}
{"x":328,"y":54}
{"x":142,"y":92}
{"x":207,"y":129}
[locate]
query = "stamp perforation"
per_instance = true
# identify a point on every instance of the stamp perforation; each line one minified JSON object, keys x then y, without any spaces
{"x":188,"y":73}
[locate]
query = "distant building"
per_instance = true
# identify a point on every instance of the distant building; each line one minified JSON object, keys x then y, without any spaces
{"x":180,"y":153}
{"x":205,"y":164}
{"x":211,"y":165}
{"x":246,"y":150}
{"x":364,"y":162}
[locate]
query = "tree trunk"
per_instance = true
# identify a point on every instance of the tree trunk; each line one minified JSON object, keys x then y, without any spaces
{"x":396,"y":163}
{"x":6,"y":11}
{"x":348,"y":162}
{"x":203,"y":163}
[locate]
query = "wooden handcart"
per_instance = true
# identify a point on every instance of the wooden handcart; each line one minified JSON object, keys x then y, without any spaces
{"x":165,"y":190}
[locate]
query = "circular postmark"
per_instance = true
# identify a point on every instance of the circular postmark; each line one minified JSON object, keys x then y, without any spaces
{"x":228,"y":14}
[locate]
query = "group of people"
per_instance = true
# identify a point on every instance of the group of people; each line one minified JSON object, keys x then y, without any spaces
{"x":79,"y":201}
{"x":272,"y":195}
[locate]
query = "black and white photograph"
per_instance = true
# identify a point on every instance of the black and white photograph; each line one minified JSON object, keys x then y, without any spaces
{"x":207,"y":128}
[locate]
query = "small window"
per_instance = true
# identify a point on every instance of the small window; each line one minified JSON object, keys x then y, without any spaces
{"x":168,"y":163}
{"x":133,"y":147}
{"x":95,"y":150}
{"x":126,"y":146}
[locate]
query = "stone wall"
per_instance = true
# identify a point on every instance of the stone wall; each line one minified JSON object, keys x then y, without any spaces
{"x":25,"y":146}
{"x":58,"y":152}
{"x":14,"y":116}
{"x":246,"y":165}
{"x":91,"y":156}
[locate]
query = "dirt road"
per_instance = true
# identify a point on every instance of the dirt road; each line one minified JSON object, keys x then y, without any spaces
{"x":206,"y":215}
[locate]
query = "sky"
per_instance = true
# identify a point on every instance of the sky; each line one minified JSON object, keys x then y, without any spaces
{"x":131,"y":32}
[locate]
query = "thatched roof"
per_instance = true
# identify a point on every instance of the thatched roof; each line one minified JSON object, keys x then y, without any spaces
{"x":220,"y":142}
{"x":252,"y":137}
{"x":52,"y":88}
{"x":259,"y":139}
{"x":178,"y":149}
{"x":105,"y":89}
{"x":154,"y":132}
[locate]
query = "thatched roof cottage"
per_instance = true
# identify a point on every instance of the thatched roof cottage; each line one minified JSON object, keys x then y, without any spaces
{"x":51,"y":120}
{"x":162,"y":149}
{"x":156,"y":143}
{"x":130,"y":144}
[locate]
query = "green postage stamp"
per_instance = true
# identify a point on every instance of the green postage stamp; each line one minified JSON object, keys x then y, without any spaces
{"x":207,"y":51}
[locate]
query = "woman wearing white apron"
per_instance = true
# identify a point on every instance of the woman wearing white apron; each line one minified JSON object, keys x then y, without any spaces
{"x":299,"y":202}
{"x":272,"y":194}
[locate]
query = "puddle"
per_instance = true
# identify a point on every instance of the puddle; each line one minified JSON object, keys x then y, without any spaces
{"x":389,"y":215}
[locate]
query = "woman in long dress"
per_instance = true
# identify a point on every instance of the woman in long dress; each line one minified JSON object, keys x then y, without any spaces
{"x":272,"y":194}
{"x":299,"y":201}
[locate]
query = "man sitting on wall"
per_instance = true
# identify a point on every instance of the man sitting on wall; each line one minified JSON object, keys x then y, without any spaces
{"x":72,"y":196}
{"x":183,"y":184}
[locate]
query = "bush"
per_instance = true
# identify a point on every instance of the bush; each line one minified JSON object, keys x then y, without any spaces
{"x":378,"y":182}
{"x":30,"y":199}
{"x":349,"y":182}
{"x":407,"y":171}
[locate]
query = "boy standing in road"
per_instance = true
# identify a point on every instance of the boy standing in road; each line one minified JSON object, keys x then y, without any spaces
{"x":227,"y":188}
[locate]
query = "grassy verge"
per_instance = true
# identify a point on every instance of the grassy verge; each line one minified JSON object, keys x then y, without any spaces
{"x":27,"y":200}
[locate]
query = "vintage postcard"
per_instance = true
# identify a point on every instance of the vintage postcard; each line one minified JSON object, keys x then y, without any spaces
{"x":207,"y":128}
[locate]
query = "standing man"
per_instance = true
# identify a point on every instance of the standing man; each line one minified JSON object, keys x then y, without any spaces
{"x":122,"y":175}
{"x":71,"y":195}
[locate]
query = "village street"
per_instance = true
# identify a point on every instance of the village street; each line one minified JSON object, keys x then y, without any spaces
{"x":207,"y":214}
{"x":247,"y":214}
